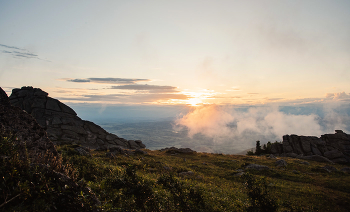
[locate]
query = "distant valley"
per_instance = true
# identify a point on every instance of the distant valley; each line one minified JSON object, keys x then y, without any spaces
{"x":161,"y":134}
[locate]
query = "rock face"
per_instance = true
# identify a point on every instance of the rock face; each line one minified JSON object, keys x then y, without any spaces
{"x":29,"y":135}
{"x":62,"y":124}
{"x":32,"y":143}
{"x":334,"y":147}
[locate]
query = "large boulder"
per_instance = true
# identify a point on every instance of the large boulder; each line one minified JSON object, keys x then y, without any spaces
{"x":33,"y":145}
{"x":329,"y":147}
{"x":30,"y":138}
{"x":62,"y":124}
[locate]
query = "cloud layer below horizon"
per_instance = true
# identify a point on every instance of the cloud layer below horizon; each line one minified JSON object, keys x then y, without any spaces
{"x":227,"y":125}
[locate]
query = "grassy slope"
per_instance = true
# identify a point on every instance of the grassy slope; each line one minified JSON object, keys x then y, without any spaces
{"x":297,"y":186}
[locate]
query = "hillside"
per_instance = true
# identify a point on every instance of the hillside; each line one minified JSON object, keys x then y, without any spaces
{"x":168,"y":181}
{"x":40,"y":176}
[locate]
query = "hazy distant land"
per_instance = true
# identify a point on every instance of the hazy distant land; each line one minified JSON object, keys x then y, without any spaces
{"x":161,"y":134}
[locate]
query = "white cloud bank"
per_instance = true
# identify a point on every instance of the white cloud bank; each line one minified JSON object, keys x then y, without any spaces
{"x":227,"y":125}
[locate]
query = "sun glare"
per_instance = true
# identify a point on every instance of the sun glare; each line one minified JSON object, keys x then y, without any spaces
{"x":195,"y":102}
{"x":198,"y":98}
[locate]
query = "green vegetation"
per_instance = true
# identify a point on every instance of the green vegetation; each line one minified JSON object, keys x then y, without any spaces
{"x":163,"y":182}
{"x":26,"y":186}
{"x":266,"y":149}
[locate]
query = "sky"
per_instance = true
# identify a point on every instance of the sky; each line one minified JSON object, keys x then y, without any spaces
{"x":174,"y":54}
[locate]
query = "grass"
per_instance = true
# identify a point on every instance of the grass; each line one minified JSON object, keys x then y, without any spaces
{"x":156,"y":182}
{"x":297,"y":187}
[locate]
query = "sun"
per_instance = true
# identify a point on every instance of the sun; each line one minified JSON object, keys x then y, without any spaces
{"x":195,"y":102}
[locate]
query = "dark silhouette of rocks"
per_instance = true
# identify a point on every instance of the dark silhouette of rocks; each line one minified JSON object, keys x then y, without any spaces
{"x":328,"y":148}
{"x":28,"y":135}
{"x":174,"y":150}
{"x":3,"y":98}
{"x":62,"y":124}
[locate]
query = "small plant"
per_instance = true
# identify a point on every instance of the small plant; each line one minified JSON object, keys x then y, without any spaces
{"x":186,"y":199}
{"x":132,"y":192}
{"x":27,"y":186}
{"x":258,"y":193}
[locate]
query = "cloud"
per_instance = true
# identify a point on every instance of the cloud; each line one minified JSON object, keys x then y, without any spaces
{"x":208,"y":120}
{"x":338,"y":96}
{"x":126,"y":98}
{"x":108,"y":80}
{"x":243,"y":126}
{"x":79,"y":80}
{"x":151,"y":88}
{"x":11,"y":47}
{"x":20,"y":53}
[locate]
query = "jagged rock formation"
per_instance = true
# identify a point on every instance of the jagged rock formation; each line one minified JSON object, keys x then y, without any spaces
{"x":334,"y":147}
{"x":29,"y":135}
{"x":33,"y":145}
{"x":62,"y":123}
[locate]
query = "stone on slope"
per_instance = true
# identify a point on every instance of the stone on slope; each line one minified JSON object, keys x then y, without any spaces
{"x":62,"y":123}
{"x":317,"y":158}
{"x":281,"y":163}
{"x":257,"y":167}
{"x":174,"y":150}
{"x":335,"y":147}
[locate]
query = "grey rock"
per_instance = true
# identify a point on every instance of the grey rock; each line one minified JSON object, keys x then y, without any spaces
{"x":238,"y":174}
{"x":76,"y":129}
{"x":111,"y":137}
{"x":335,"y":147}
{"x":52,"y":104}
{"x":292,"y":155}
{"x":66,"y":109}
{"x":61,"y":122}
{"x":83,"y":151}
{"x":281,"y":163}
{"x":295,"y":172}
{"x":315,"y":150}
{"x":330,"y":168}
{"x":132,"y":144}
{"x":316,"y":158}
{"x":333,"y":154}
{"x":339,"y":160}
{"x":117,"y":149}
{"x":257,"y":167}
{"x":39,"y":103}
{"x":140,"y":152}
{"x":345,"y":169}
{"x":40,"y":93}
{"x":305,"y":163}
{"x":174,"y":150}
{"x":56,"y":120}
{"x":139,"y":142}
{"x":271,"y":156}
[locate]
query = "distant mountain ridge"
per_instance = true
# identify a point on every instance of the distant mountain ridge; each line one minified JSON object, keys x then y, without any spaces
{"x":62,"y":124}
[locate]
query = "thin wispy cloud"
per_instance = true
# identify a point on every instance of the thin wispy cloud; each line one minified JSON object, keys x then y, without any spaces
{"x":108,"y":80}
{"x":150,"y":88}
{"x":126,"y":98}
{"x":20,"y":53}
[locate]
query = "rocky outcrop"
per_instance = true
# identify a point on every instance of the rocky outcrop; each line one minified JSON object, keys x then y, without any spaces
{"x":32,"y":145}
{"x":174,"y":150}
{"x":62,"y":124}
{"x":329,"y":147}
{"x":30,"y":139}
